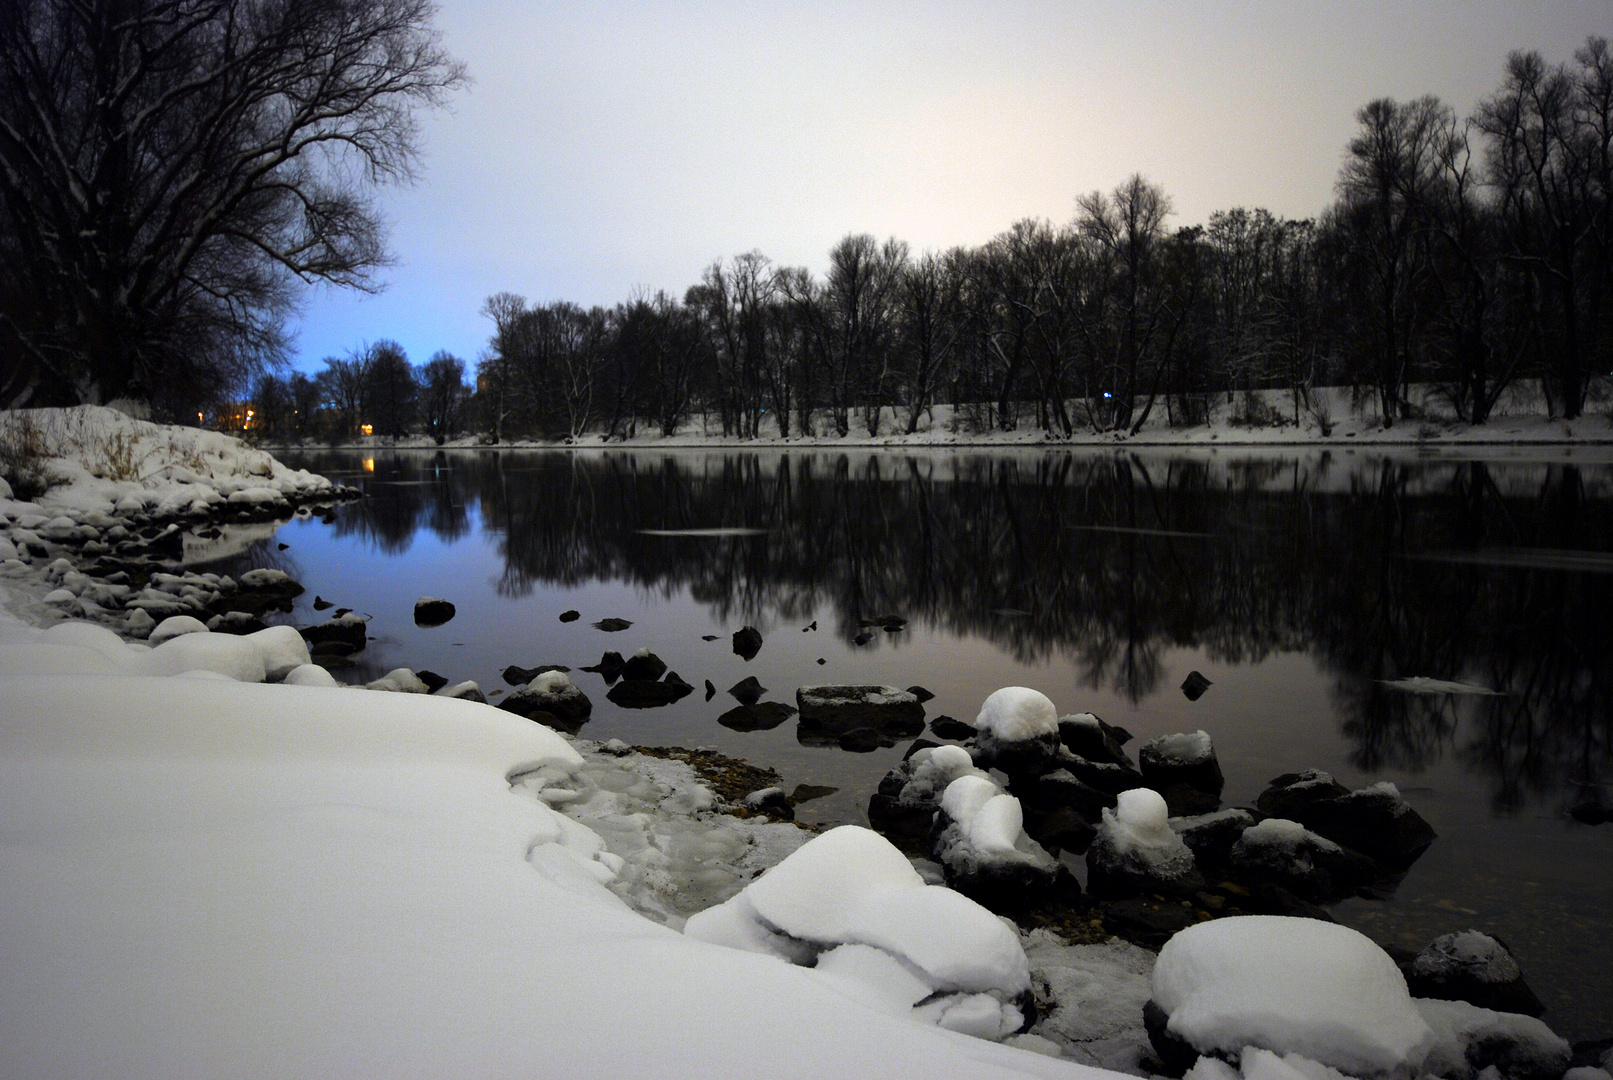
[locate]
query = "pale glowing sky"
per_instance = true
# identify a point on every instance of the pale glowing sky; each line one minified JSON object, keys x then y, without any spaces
{"x":608,"y":147}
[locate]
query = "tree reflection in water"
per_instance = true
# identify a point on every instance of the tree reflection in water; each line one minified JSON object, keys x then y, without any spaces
{"x":1378,"y":567}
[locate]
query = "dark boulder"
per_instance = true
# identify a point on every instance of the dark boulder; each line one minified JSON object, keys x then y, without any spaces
{"x":1063,"y":828}
{"x":764,"y":716}
{"x":1194,"y":685}
{"x":432,"y":611}
{"x":349,"y":629}
{"x":1376,"y":821}
{"x":611,"y":626}
{"x":921,"y":693}
{"x":747,"y":691}
{"x":747,"y":643}
{"x":945,"y":727}
{"x":1175,"y":1052}
{"x":570,"y":616}
{"x":1312,"y":867}
{"x":433,"y":681}
{"x":1107,"y":777}
{"x":1210,"y":836}
{"x":711,"y":691}
{"x":643,"y":665}
{"x":1291,"y":794}
{"x":1062,"y":789}
{"x":1088,"y":736}
{"x":648,"y":693}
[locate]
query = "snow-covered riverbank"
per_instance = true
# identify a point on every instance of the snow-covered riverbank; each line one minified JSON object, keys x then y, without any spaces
{"x":1268,"y":418}
{"x":203,"y":872}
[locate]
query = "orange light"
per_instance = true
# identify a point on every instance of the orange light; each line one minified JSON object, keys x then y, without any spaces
{"x":369,"y":464}
{"x":368,"y":429}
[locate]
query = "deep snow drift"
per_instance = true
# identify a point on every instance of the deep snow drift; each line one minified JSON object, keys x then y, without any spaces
{"x":206,"y":877}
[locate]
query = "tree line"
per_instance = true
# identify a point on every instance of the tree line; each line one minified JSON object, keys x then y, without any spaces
{"x":1461,"y":253}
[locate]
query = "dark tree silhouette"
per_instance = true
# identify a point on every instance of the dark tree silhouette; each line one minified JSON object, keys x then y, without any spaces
{"x":172,"y":170}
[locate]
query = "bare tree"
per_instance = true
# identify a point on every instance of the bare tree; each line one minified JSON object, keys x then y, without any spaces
{"x":347,"y":384}
{"x":1128,"y":227}
{"x":443,"y":395}
{"x":172,"y":170}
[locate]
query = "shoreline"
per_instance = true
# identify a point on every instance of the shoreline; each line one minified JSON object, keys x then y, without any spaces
{"x":678,"y":803}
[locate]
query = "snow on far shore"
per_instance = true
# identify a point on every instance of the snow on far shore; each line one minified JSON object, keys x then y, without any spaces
{"x":1259,"y":418}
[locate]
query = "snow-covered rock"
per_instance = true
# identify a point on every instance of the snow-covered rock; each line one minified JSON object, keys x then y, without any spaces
{"x":1290,"y":986}
{"x":1136,"y":850}
{"x":174,"y":626}
{"x":1475,"y":968}
{"x":1376,"y":821}
{"x":1094,"y":996}
{"x":1017,"y":731}
{"x":553,"y":693}
{"x":1185,"y":760}
{"x":831,"y":711}
{"x":979,"y":839}
{"x":904,"y":806}
{"x":1286,"y":853}
{"x":1470,"y":1041}
{"x":399,"y":681}
{"x":849,"y":886}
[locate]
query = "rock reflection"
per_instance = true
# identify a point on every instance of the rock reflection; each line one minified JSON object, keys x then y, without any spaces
{"x":1106,"y":560}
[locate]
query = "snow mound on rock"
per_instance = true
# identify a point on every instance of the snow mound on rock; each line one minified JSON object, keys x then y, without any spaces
{"x":850,"y":886}
{"x":1189,"y":748}
{"x":1292,"y":986}
{"x":1523,"y":1048}
{"x":1016,"y":713}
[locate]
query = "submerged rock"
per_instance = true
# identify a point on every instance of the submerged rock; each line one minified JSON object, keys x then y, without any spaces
{"x":747,"y":643}
{"x":570,"y":616}
{"x":432,"y":611}
{"x":835,"y":710}
{"x":612,"y":625}
{"x":352,"y":630}
{"x":649,"y":693}
{"x":763,"y":716}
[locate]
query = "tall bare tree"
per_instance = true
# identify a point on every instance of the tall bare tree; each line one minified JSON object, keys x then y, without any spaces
{"x":172,"y":170}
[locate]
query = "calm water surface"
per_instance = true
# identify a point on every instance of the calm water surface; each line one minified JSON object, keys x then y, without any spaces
{"x":1298,"y":583}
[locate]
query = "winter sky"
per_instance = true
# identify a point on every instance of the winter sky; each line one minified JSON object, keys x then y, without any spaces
{"x":609,"y":147}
